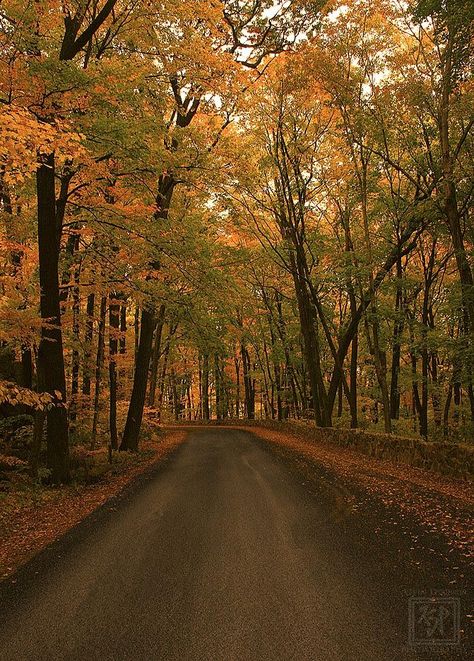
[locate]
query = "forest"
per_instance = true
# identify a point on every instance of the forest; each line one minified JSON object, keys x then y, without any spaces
{"x":234,"y":209}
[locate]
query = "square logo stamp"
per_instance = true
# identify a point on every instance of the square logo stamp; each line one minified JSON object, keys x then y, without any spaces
{"x":434,"y":621}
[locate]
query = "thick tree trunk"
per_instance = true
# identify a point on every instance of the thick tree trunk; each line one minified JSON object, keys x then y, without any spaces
{"x":156,"y":356}
{"x":50,"y":353}
{"x":137,"y":400}
{"x":143,"y":347}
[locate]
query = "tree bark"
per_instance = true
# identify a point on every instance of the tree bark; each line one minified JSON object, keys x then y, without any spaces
{"x":50,"y":353}
{"x":205,"y":387}
{"x":76,"y":309}
{"x":237,"y":386}
{"x":248,"y":384}
{"x":86,"y":373}
{"x":137,"y":401}
{"x":114,"y":324}
{"x":98,"y":368}
{"x":398,"y":326}
{"x":156,"y":356}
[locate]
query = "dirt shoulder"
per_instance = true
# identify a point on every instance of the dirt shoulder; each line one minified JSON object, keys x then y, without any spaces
{"x":32,"y":517}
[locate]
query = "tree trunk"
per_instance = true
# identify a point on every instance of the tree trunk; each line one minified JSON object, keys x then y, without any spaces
{"x":98,"y":368}
{"x":26,"y":367}
{"x":50,"y":353}
{"x":416,"y":402}
{"x":136,"y":327}
{"x":205,"y":387}
{"x":122,"y":380}
{"x":38,"y":428}
{"x":396,"y":347}
{"x":76,"y":310}
{"x":248,"y":384}
{"x":114,"y":324}
{"x":123,"y":329}
{"x":451,"y":207}
{"x":175,"y":397}
{"x":311,"y":353}
{"x":237,"y":386}
{"x":447,"y":406}
{"x":218,"y":386}
{"x":156,"y":356}
{"x":86,"y":375}
{"x":140,"y":379}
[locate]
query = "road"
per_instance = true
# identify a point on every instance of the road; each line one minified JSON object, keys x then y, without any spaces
{"x":225,"y":553}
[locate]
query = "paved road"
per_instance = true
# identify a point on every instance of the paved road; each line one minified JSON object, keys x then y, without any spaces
{"x":224,"y":553}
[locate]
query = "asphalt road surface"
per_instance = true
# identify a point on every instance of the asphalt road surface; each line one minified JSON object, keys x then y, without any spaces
{"x":226,"y":553}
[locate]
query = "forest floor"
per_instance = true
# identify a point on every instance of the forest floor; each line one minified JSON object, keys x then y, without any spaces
{"x":33,"y":515}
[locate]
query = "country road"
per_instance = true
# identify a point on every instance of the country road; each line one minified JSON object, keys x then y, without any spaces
{"x":225,"y":552}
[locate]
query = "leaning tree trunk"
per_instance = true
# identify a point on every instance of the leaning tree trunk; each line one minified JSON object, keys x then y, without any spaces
{"x":144,"y":346}
{"x":156,"y":356}
{"x":50,"y":353}
{"x":140,"y":379}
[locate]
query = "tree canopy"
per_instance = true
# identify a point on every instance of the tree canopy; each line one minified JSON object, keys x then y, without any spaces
{"x":236,"y":208}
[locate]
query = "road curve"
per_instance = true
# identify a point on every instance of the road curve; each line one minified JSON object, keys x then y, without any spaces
{"x":223,"y":553}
